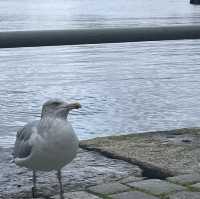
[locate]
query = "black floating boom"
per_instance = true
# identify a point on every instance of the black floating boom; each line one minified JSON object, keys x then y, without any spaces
{"x":96,"y":36}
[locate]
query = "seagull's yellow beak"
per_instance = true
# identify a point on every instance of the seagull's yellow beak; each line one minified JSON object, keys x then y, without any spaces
{"x":75,"y":105}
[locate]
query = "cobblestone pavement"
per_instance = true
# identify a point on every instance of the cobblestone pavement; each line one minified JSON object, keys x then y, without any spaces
{"x":125,"y":167}
{"x":88,"y":169}
{"x":179,"y":187}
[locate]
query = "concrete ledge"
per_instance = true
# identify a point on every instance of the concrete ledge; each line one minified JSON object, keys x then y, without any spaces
{"x":158,"y":154}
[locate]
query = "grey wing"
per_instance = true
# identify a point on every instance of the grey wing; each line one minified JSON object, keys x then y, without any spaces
{"x":23,"y":148}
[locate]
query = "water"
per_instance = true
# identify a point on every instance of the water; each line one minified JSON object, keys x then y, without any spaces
{"x":123,"y":88}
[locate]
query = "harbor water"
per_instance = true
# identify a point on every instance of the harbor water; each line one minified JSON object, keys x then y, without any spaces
{"x":123,"y":88}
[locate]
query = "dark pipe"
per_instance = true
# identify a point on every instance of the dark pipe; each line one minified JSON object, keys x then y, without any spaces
{"x":96,"y":36}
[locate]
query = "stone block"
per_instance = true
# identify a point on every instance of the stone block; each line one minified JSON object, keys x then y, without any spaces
{"x":108,"y":188}
{"x":132,"y":195}
{"x":185,"y":179}
{"x":156,"y":186}
{"x":185,"y":195}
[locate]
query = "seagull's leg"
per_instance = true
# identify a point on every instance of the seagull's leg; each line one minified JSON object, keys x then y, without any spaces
{"x":34,"y":185}
{"x":59,"y":176}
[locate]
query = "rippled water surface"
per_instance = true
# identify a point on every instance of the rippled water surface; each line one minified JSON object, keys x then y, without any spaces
{"x":131,"y":87}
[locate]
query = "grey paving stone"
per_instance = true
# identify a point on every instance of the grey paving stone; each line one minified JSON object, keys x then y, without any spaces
{"x":156,"y":186}
{"x":185,"y":195}
{"x":132,"y":195}
{"x":77,"y":195}
{"x":131,"y":179}
{"x":185,"y":179}
{"x":108,"y":188}
{"x":197,"y":185}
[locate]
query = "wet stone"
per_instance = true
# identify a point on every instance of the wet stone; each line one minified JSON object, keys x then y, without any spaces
{"x":87,"y":169}
{"x":108,"y":188}
{"x":185,"y":179}
{"x":77,"y":195}
{"x":132,"y":195}
{"x":156,"y":186}
{"x":185,"y":195}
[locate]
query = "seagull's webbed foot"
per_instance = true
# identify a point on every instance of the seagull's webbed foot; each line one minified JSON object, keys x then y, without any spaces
{"x":34,"y":185}
{"x":34,"y":192}
{"x":59,"y":176}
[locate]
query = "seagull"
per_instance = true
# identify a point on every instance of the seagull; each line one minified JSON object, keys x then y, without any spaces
{"x":49,"y":143}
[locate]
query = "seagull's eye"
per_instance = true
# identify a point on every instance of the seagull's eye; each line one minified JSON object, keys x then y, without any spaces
{"x":56,"y":103}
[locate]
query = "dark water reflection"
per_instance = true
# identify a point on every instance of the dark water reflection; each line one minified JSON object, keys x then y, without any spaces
{"x":132,"y":87}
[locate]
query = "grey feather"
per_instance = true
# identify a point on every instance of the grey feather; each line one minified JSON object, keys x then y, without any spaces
{"x":22,"y":148}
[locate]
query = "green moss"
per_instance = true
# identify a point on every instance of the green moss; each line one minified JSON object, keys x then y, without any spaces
{"x":193,"y":189}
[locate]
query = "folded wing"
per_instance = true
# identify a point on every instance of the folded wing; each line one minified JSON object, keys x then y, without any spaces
{"x":23,"y":147}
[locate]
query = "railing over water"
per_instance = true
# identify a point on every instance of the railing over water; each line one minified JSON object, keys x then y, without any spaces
{"x":96,"y":36}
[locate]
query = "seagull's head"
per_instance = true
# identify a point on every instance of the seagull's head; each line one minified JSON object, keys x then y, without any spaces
{"x":58,"y":108}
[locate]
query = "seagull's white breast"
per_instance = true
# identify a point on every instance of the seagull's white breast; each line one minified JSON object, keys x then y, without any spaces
{"x":55,"y":144}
